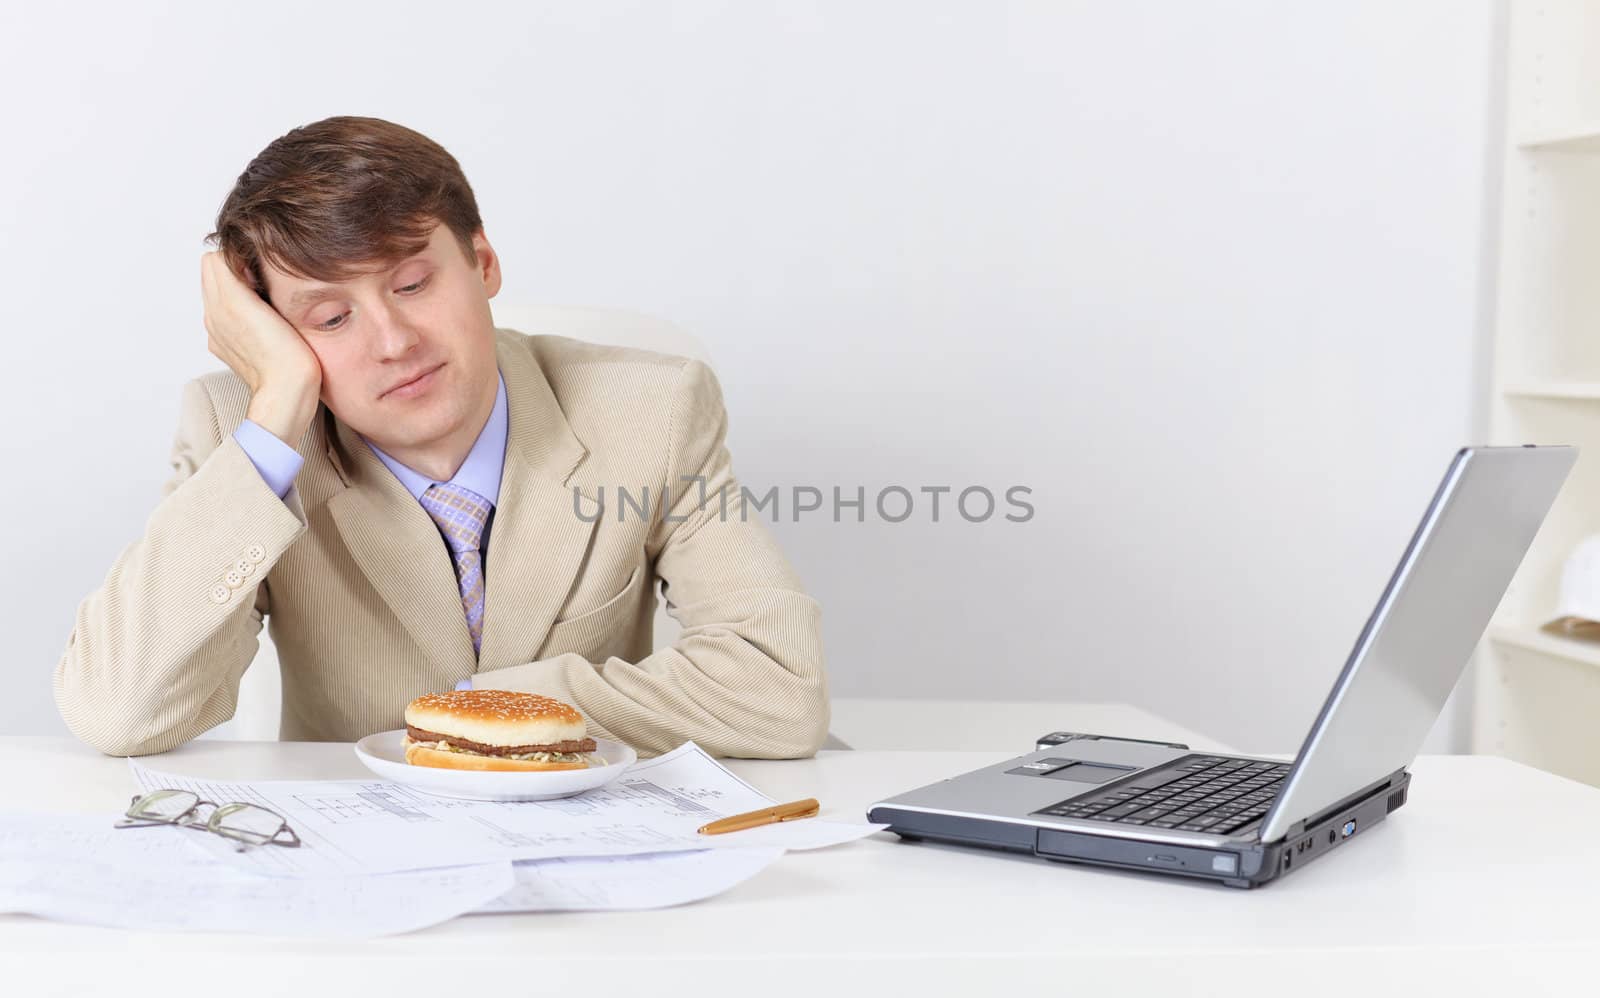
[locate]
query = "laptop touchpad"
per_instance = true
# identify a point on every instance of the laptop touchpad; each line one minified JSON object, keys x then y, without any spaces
{"x":1075,"y":770}
{"x":1089,"y":772}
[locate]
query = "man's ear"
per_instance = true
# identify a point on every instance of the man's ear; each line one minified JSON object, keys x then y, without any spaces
{"x":488,"y":263}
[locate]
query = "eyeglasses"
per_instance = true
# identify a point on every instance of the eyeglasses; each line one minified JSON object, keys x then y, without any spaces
{"x":246,"y":824}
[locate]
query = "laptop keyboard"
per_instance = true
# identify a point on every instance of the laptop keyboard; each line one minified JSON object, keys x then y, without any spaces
{"x":1204,"y":793}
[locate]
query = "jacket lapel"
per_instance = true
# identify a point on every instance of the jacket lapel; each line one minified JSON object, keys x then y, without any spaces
{"x":539,"y":541}
{"x":535,"y":550}
{"x":400,"y":552}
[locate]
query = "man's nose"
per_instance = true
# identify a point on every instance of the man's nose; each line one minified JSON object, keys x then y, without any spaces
{"x":393,"y":334}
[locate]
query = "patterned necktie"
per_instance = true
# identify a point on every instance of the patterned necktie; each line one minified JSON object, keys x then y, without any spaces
{"x":461,"y":515}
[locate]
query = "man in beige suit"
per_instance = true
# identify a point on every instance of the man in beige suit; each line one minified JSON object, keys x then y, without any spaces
{"x":350,"y":301}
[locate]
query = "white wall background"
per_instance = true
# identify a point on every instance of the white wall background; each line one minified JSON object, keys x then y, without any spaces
{"x":1208,"y":277}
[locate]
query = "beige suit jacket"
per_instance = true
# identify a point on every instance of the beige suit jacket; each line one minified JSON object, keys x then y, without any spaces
{"x":357,"y":590}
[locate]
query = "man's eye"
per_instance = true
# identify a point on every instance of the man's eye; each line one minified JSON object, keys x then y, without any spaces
{"x":413,"y":288}
{"x":333,"y":323}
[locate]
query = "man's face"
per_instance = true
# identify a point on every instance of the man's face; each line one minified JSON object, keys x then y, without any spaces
{"x":426,"y":315}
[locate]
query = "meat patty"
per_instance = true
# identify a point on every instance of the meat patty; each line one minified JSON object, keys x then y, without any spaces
{"x":418,"y":735}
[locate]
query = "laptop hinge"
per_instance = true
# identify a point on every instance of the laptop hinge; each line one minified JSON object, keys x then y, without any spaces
{"x":1370,"y":790}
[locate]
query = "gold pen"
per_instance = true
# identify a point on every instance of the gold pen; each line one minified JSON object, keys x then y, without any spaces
{"x":807,"y":808}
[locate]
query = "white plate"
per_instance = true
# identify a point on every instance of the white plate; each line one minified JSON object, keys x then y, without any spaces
{"x":382,"y":753}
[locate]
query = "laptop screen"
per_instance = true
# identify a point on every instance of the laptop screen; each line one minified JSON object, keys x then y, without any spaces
{"x":1454,"y":572}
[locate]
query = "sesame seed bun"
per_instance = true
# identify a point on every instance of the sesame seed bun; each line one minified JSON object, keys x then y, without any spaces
{"x":497,"y":718}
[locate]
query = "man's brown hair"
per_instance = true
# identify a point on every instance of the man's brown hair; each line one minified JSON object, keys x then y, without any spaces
{"x":340,"y":197}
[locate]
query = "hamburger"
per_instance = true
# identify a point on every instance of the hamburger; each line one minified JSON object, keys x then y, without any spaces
{"x":496,"y":730}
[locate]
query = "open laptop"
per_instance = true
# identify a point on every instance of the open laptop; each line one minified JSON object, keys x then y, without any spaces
{"x":1244,"y":821}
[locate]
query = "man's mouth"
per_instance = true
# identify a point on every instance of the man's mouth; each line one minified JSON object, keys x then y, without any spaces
{"x":415,"y":386}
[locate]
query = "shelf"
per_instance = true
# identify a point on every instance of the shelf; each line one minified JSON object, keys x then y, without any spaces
{"x":1578,"y":140}
{"x":1582,"y":390}
{"x":1537,"y":692}
{"x":1534,"y":640}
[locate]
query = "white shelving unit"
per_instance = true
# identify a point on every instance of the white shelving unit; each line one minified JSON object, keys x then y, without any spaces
{"x":1537,"y":695}
{"x":1580,"y":140}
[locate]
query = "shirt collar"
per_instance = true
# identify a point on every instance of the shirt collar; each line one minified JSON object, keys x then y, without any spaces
{"x":480,"y":472}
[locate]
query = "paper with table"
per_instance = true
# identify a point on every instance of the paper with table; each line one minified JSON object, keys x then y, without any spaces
{"x":379,"y":858}
{"x":629,"y":883}
{"x":377,"y":826}
{"x":79,"y":869}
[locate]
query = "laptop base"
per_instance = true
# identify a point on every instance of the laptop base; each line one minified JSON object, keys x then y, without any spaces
{"x":1244,"y":863}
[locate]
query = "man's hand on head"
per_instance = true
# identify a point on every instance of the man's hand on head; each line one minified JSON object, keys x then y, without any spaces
{"x":262,"y":348}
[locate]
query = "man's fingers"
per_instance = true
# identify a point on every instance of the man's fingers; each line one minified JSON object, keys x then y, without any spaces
{"x":215,"y":273}
{"x":210,"y":284}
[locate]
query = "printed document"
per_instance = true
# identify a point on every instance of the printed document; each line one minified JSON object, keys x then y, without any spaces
{"x":628,"y":883}
{"x":75,"y":868}
{"x":352,"y":827}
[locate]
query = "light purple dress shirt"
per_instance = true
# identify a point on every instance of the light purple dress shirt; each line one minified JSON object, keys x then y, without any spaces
{"x":279,"y":463}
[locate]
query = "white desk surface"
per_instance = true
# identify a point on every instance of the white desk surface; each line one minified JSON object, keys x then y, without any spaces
{"x":1485,"y":882}
{"x":996,"y":726}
